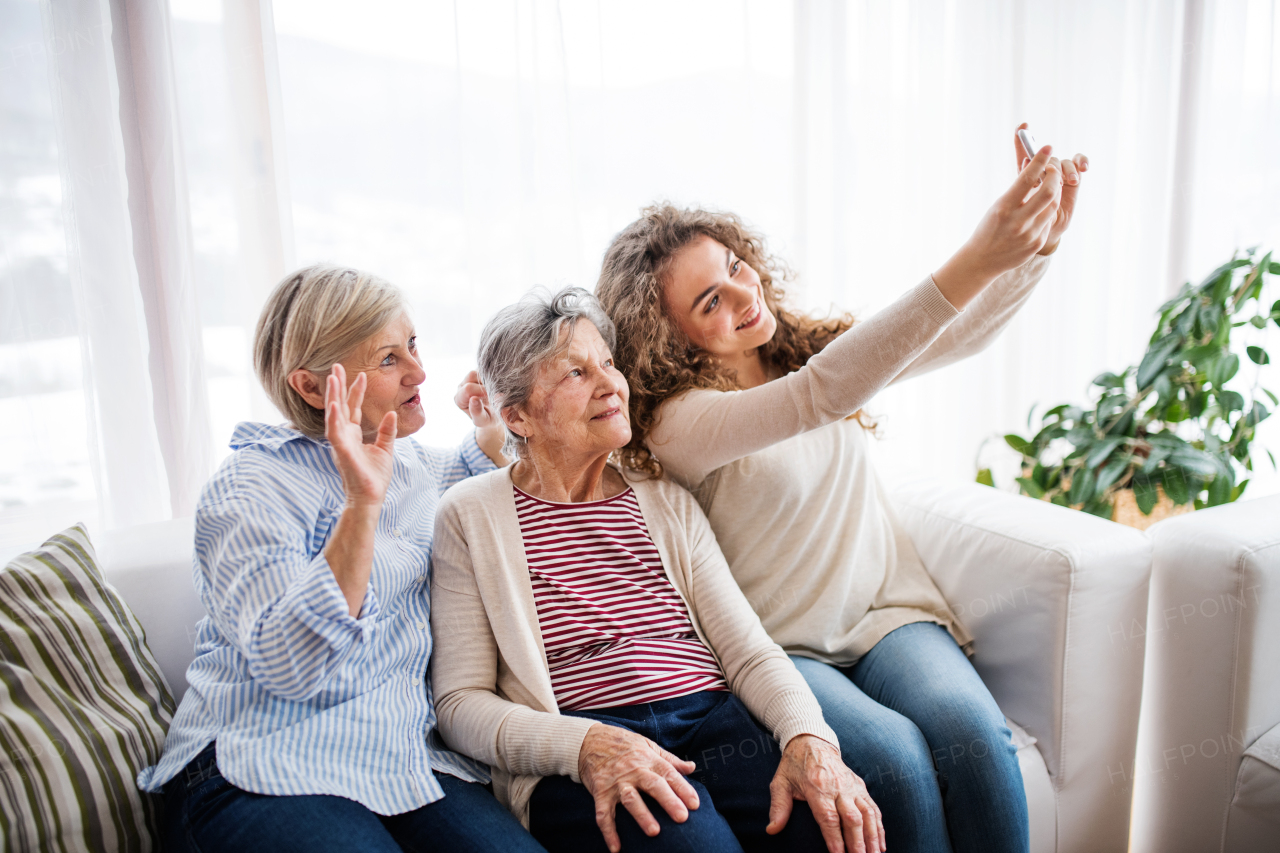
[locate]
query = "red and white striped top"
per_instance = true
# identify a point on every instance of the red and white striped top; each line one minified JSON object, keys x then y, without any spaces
{"x":615,"y":629}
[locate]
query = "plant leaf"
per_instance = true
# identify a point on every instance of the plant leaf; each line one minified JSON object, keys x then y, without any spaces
{"x":1231,"y":401}
{"x":1258,"y":355}
{"x":1031,"y":487}
{"x":1158,"y":455}
{"x":1082,"y":483}
{"x":1175,"y":485}
{"x":984,"y":477}
{"x":1195,"y":461}
{"x":1221,"y":371}
{"x":1145,"y":494}
{"x":1154,"y":361}
{"x":1019,"y":443}
{"x":1112,"y":472}
{"x":1257,"y":414}
{"x":1219,"y":491}
{"x":1101,"y":507}
{"x":1101,"y":451}
{"x":1238,"y":490}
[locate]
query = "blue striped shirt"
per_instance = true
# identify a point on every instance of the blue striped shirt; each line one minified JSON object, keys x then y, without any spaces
{"x":301,"y":697}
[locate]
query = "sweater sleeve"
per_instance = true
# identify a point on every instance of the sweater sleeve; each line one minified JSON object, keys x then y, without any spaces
{"x":982,"y":321}
{"x":472,"y":718}
{"x":702,"y":430}
{"x":756,"y":668}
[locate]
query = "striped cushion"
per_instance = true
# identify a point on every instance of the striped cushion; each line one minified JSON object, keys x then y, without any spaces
{"x":83,"y":706}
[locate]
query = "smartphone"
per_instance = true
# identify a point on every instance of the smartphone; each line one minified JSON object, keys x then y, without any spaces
{"x":1028,"y":143}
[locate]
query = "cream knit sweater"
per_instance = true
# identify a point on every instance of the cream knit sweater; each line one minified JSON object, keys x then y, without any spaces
{"x":489,"y":673}
{"x":790,"y":492}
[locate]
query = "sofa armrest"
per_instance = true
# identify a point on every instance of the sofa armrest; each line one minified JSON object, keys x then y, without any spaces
{"x":1211,"y":689}
{"x":1056,"y":600}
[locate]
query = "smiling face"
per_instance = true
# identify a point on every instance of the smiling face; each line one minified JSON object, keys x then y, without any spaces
{"x":717,"y":301}
{"x":578,"y":406}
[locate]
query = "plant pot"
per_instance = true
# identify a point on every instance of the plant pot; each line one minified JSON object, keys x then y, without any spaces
{"x":1125,"y":509}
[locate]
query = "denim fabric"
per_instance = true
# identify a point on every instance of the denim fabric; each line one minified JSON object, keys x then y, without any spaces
{"x":918,"y":725}
{"x":736,"y":759}
{"x":204,"y":813}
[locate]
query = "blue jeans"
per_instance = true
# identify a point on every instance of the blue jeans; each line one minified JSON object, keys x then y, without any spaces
{"x":204,"y":813}
{"x":918,"y":725}
{"x":736,"y":759}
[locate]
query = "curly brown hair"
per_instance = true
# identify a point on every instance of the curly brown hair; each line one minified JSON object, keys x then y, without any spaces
{"x":657,"y":358}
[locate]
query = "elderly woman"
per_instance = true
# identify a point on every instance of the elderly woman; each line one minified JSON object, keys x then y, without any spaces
{"x":308,"y":723}
{"x":592,"y":644}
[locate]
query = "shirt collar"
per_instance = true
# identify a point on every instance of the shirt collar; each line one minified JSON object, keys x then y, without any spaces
{"x":269,"y":436}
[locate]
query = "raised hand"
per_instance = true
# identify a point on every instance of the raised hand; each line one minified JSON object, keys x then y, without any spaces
{"x":473,"y":399}
{"x":365,"y":467}
{"x":812,"y":770}
{"x":1072,"y":174}
{"x":1016,"y":227}
{"x":617,"y":765}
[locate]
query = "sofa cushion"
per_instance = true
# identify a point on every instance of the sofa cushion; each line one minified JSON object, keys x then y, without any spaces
{"x":1253,"y":823}
{"x":83,"y":706}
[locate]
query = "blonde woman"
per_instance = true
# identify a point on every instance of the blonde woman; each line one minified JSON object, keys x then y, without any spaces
{"x":756,"y":409}
{"x":309,"y":723}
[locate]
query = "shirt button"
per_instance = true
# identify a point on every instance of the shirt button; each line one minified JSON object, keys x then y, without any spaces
{"x":415,"y":682}
{"x":422,"y":625}
{"x":396,"y":533}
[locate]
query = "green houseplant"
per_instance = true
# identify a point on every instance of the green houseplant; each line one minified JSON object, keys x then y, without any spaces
{"x":1169,"y":426}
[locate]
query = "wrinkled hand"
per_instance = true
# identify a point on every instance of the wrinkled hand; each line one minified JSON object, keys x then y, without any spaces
{"x":616,"y":765}
{"x":365,"y":468}
{"x":473,"y":399}
{"x":1072,"y":174}
{"x":812,"y":770}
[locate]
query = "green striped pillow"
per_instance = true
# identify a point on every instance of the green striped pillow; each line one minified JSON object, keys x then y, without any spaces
{"x":83,"y":706}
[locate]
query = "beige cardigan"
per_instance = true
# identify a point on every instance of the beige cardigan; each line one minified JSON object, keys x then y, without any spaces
{"x":790,"y":491}
{"x":489,"y":673}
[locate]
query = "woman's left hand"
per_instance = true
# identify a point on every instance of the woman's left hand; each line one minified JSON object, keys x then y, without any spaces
{"x":1072,"y":174}
{"x":812,"y":770}
{"x":474,"y":401}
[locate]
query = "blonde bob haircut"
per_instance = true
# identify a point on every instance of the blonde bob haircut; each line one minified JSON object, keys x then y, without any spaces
{"x":315,"y":317}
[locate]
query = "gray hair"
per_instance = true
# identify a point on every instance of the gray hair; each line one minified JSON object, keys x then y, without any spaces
{"x":520,"y":337}
{"x":316,"y":316}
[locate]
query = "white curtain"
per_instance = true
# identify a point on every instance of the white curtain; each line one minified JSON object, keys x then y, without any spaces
{"x":128,"y":463}
{"x":470,"y":150}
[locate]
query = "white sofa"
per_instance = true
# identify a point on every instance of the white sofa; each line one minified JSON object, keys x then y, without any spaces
{"x":1047,"y":592}
{"x":1208,"y":769}
{"x":1050,"y":595}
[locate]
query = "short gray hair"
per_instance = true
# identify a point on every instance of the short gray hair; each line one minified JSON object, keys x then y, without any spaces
{"x":520,"y":337}
{"x":316,"y":316}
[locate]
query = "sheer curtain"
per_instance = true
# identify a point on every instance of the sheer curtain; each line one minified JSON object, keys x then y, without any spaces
{"x":187,"y":154}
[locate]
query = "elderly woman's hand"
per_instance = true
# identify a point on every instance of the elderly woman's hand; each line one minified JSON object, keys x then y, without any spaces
{"x":616,"y":765}
{"x":812,"y":770}
{"x":365,"y":468}
{"x":473,"y":399}
{"x":366,"y":472}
